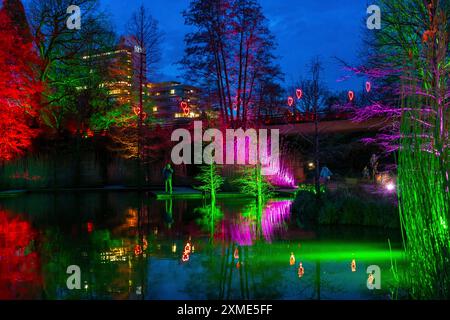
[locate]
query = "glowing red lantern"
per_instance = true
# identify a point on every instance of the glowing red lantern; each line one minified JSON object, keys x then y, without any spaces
{"x":368,"y":86}
{"x":136,"y":110}
{"x":185,"y":258}
{"x":351,"y":95}
{"x":299,"y":93}
{"x":184,"y":105}
{"x":290,"y":101}
{"x":236,"y":253}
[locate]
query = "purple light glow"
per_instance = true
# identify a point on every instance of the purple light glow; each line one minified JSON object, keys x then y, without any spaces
{"x":241,"y":232}
{"x":283,"y":178}
{"x":275,"y":214}
{"x":274,"y":217}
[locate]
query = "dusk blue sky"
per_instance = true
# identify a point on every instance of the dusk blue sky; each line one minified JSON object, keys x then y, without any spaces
{"x":303,"y":29}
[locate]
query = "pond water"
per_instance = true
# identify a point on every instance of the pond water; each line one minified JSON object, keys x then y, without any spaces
{"x":132,"y":246}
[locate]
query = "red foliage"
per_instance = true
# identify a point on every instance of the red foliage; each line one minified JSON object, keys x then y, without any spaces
{"x":19,"y":91}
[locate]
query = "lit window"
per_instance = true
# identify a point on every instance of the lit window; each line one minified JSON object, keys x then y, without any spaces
{"x":155,"y":109}
{"x":158,"y":94}
{"x":172,"y":92}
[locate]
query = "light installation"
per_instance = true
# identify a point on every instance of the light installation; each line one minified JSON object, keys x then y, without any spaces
{"x":283,"y":178}
{"x":370,"y":279}
{"x":299,"y":93}
{"x":424,"y":163}
{"x":353,"y":265}
{"x":185,"y":107}
{"x":274,"y":217}
{"x":292,"y":259}
{"x":187,"y":251}
{"x":290,"y":101}
{"x":368,"y":86}
{"x":236,"y":253}
{"x":301,"y":270}
{"x":351,"y":95}
{"x":242,"y":231}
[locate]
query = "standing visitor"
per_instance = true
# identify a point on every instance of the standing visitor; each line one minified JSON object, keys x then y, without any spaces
{"x":325,"y":174}
{"x":167,"y":174}
{"x":374,"y":166}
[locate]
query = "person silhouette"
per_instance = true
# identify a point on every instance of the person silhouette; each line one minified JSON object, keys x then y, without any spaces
{"x":167,"y":174}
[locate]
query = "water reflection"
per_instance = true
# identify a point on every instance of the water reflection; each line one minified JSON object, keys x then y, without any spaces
{"x":129,"y":246}
{"x":19,"y":261}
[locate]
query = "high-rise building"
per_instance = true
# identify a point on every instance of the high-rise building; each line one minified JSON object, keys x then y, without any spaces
{"x":174,"y":100}
{"x":122,"y":78}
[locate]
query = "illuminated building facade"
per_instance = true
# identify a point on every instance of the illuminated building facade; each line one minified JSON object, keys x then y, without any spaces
{"x":122,"y":79}
{"x":174,"y":100}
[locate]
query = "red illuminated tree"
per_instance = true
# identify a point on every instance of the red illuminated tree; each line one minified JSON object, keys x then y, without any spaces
{"x":19,"y":91}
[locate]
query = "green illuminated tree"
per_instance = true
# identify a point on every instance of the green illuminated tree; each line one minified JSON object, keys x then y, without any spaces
{"x":252,"y":182}
{"x":211,"y":183}
{"x":411,"y":55}
{"x":73,"y":87}
{"x":211,"y":180}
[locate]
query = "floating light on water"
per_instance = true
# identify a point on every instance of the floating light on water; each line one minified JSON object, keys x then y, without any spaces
{"x":299,"y":93}
{"x":187,"y":248}
{"x":351,"y":95}
{"x":236,"y":253}
{"x":301,"y":270}
{"x":370,"y":279}
{"x":353,"y":265}
{"x":368,"y":86}
{"x":185,"y":258}
{"x":292,"y":259}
